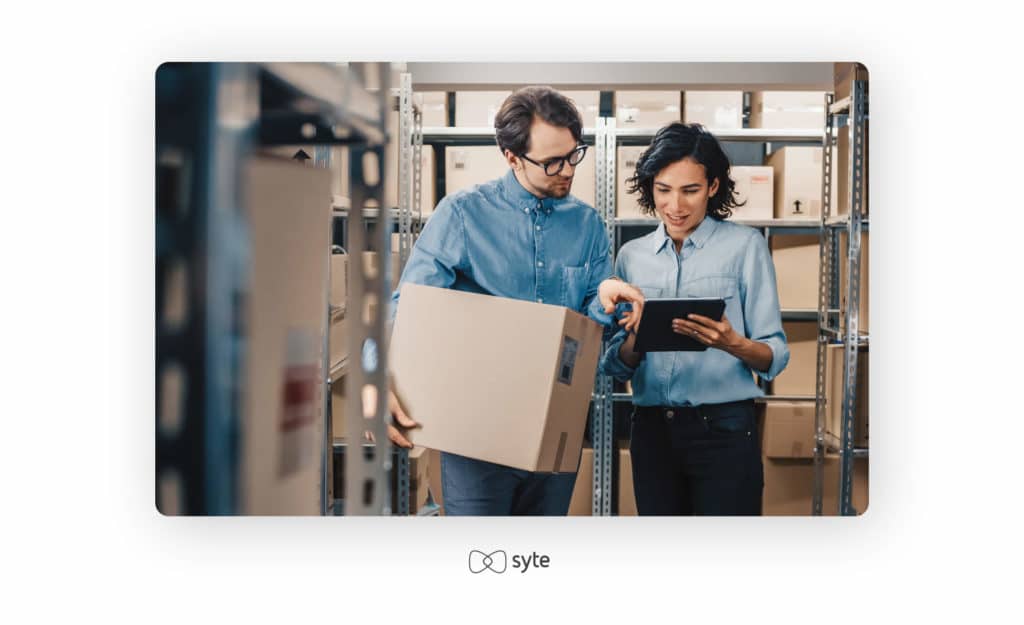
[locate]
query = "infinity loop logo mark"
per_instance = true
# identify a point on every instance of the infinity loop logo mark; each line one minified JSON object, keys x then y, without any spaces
{"x":496,"y":561}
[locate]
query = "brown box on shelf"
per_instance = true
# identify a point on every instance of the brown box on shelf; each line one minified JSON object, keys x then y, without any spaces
{"x":476,"y":109}
{"x":863,"y":306}
{"x":339,"y":279}
{"x":787,"y":110}
{"x":338,"y":338}
{"x":797,"y":264}
{"x":582,"y":501}
{"x":626,"y":205}
{"x":843,"y":172}
{"x":588,"y":103}
{"x":647,"y":109}
{"x":434,"y":105}
{"x":789,"y":487}
{"x":835,"y":375}
{"x":789,"y":429}
{"x":715,"y":110}
{"x":533,"y":386}
{"x":844,"y":75}
{"x":798,"y":378}
{"x":281,"y":425}
{"x":754,"y":187}
{"x":797,"y":182}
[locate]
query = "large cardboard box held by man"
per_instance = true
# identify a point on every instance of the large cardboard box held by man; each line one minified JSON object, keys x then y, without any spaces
{"x":492,"y":378}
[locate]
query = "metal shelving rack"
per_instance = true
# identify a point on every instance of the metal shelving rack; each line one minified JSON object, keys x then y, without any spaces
{"x":211,"y":117}
{"x":855,"y":107}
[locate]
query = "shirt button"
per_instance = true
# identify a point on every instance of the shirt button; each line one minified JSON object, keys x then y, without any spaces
{"x":540,"y":299}
{"x":669,"y":414}
{"x":540,"y":263}
{"x":538,"y":227}
{"x":526,"y":210}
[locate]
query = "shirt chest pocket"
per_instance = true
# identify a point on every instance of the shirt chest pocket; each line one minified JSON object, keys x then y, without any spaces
{"x":574,"y":285}
{"x":723,"y":287}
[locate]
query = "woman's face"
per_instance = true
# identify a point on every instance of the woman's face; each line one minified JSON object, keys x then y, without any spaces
{"x":681,"y":193}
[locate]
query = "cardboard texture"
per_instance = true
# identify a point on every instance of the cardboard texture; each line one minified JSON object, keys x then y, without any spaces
{"x":715,"y":110}
{"x":797,"y":268}
{"x":626,"y":205}
{"x":519,"y":397}
{"x":789,"y":487}
{"x":835,"y":375}
{"x":789,"y":429}
{"x":647,"y":109}
{"x":339,"y":279}
{"x":476,"y":109}
{"x":472,"y":165}
{"x":627,"y":496}
{"x":798,"y":378}
{"x":787,"y":110}
{"x":754,"y":186}
{"x":863,"y":306}
{"x":797,"y":182}
{"x":844,"y":75}
{"x":434,"y":105}
{"x":287,"y":205}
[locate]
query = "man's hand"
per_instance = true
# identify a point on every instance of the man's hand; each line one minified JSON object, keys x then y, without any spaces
{"x":398,"y":414}
{"x":719,"y":334}
{"x":612,"y":292}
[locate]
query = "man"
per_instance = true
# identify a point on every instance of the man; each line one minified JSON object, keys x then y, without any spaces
{"x":522,"y":236}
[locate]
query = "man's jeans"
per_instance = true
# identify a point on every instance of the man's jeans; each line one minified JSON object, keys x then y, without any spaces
{"x":697,"y":461}
{"x":478,"y":488}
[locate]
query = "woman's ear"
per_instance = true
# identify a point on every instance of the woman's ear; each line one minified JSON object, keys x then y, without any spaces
{"x":713,"y":189}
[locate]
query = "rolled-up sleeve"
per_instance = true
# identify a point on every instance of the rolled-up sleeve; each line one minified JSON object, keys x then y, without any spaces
{"x":761,"y":312}
{"x":439,"y":252}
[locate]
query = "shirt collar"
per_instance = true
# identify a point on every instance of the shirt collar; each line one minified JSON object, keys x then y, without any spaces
{"x":699,"y":237}
{"x":519,"y":197}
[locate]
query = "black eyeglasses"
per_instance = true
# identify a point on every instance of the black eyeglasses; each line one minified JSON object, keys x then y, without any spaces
{"x":554,"y":166}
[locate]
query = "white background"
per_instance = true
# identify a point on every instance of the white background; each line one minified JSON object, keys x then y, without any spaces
{"x":82,"y":540}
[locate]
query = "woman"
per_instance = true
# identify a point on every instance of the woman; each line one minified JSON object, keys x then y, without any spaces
{"x":694,"y":442}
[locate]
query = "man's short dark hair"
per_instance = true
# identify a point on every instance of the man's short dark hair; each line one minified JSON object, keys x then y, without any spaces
{"x":513,"y":121}
{"x":673,"y":143}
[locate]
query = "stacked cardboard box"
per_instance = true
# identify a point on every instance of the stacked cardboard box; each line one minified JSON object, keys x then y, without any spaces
{"x":797,"y":182}
{"x":754,"y":186}
{"x":797,"y":262}
{"x":844,"y":171}
{"x":787,"y":109}
{"x":844,"y":75}
{"x":582,"y":501}
{"x":647,"y":109}
{"x":282,"y":423}
{"x":434,"y":105}
{"x":835,"y":376}
{"x":626,"y":205}
{"x":715,"y":110}
{"x":798,"y":378}
{"x":476,"y":109}
{"x":533,"y":386}
{"x":863,"y":307}
{"x":788,"y":429}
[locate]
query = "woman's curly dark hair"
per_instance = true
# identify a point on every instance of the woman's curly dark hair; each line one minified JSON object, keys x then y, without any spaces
{"x":673,"y":143}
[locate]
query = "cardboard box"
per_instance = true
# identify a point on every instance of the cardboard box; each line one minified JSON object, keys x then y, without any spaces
{"x":434,"y":477}
{"x":843,"y":172}
{"x":338,"y":408}
{"x":835,"y":375}
{"x":797,"y":182}
{"x":789,"y":429}
{"x":626,"y":205}
{"x":789,"y":487}
{"x":281,"y":425}
{"x":715,"y":110}
{"x":476,"y":109}
{"x":844,"y":75}
{"x":787,"y":109}
{"x":647,"y":109}
{"x":582,"y":502}
{"x":472,"y":165}
{"x":798,"y":378}
{"x":339,"y":280}
{"x":434,"y":105}
{"x":863,"y":306}
{"x":518,"y":397}
{"x":627,"y":496}
{"x":754,"y":186}
{"x":338,"y":338}
{"x":797,"y":267}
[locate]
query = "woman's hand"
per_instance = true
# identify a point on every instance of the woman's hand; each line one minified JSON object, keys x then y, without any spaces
{"x":719,"y":334}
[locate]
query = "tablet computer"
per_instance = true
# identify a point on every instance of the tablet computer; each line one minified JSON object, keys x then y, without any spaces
{"x":655,"y":332}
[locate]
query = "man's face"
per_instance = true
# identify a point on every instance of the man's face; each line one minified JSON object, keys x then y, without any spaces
{"x":547,"y":143}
